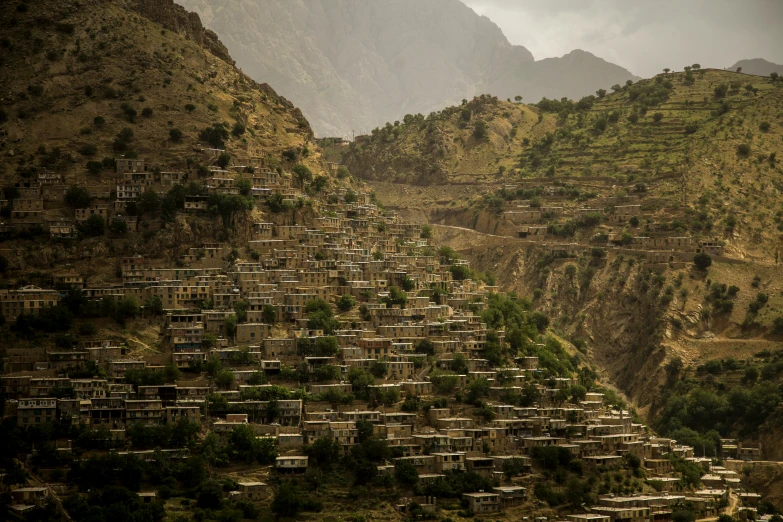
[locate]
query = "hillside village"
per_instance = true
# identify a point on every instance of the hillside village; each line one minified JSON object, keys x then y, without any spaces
{"x":219,"y":320}
{"x":346,"y":326}
{"x":598,"y":209}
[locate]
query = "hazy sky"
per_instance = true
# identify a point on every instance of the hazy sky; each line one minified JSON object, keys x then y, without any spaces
{"x":644,"y":36}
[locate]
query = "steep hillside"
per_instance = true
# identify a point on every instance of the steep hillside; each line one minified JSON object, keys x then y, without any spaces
{"x":352,"y":65}
{"x":96,"y":81}
{"x":757,"y":66}
{"x":690,"y":155}
{"x":84,"y":71}
{"x":653,"y":136}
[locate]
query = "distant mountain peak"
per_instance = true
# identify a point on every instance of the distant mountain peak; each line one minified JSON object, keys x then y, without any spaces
{"x":352,"y":65}
{"x":757,"y":66}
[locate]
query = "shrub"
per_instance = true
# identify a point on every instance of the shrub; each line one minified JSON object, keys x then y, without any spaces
{"x":175,"y":135}
{"x":287,"y":501}
{"x":126,"y":134}
{"x":118,"y":226}
{"x":743,"y":149}
{"x":702,"y":261}
{"x":224,"y":160}
{"x":77,"y":197}
{"x":130,"y":114}
{"x":764,"y":126}
{"x":146,"y":112}
{"x":657,"y":117}
{"x":302,"y":173}
{"x":345,"y":303}
{"x":93,"y":226}
{"x":777,"y":325}
{"x":216,"y":135}
{"x":480,"y":130}
{"x":88,"y":150}
{"x":94,"y":167}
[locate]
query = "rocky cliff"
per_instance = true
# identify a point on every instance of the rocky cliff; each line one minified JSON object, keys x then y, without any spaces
{"x":187,"y":24}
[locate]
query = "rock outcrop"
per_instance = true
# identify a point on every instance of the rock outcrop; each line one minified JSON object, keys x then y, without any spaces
{"x":185,"y":23}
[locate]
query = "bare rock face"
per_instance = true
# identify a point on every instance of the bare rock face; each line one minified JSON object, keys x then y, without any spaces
{"x":176,"y":19}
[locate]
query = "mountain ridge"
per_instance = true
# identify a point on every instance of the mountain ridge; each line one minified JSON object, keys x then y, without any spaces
{"x":397,"y":58}
{"x":91,"y":86}
{"x":757,"y":66}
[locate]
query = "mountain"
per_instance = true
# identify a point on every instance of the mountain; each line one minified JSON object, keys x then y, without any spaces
{"x":757,"y":66}
{"x":577,"y":74}
{"x":85,"y":70}
{"x":352,"y":65}
{"x":687,"y":157}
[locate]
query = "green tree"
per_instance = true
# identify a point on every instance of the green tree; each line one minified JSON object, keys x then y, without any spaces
{"x":324,"y":452}
{"x":77,"y":197}
{"x":379,"y":368}
{"x":721,"y":90}
{"x":230,"y":325}
{"x":425,"y":346}
{"x":216,"y":135}
{"x":154,"y":304}
{"x":302,"y":173}
{"x":364,"y":429}
{"x":224,"y":160}
{"x":702,"y":260}
{"x":210,"y":495}
{"x":171,"y":373}
{"x":94,"y":226}
{"x":149,"y":201}
{"x":118,"y":226}
{"x":238,"y":129}
{"x":326,"y":346}
{"x":126,"y":308}
{"x":268,"y":314}
{"x":406,"y":475}
{"x":346,"y":302}
{"x":480,"y":132}
{"x":245,"y":186}
{"x":224,"y":378}
{"x":320,"y":316}
{"x":287,"y":501}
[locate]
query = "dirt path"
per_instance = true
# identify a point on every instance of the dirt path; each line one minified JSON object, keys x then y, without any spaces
{"x":734,"y":503}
